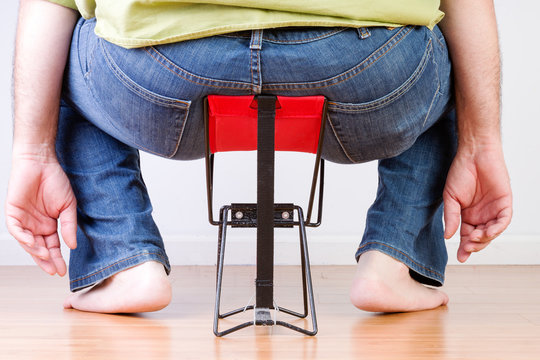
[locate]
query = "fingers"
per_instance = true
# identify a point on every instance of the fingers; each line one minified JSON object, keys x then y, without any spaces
{"x":68,"y":224}
{"x":46,"y":265}
{"x":37,"y":250}
{"x":46,"y":253}
{"x":53,"y":244}
{"x":462,"y":255}
{"x":53,"y":263}
{"x":476,"y":238}
{"x":20,"y":234}
{"x":467,"y":247}
{"x":452,"y":215}
{"x":500,"y":224}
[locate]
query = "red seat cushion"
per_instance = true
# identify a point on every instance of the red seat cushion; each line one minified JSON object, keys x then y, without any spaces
{"x":233,"y":123}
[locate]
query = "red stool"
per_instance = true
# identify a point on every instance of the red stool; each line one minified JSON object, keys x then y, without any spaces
{"x":265,"y":123}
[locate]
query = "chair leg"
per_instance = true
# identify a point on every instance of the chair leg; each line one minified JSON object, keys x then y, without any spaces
{"x":304,"y":277}
{"x":306,"y":283}
{"x":222,"y":236}
{"x":307,"y":273}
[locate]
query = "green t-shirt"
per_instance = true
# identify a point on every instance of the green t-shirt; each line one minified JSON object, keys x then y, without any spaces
{"x":136,"y":23}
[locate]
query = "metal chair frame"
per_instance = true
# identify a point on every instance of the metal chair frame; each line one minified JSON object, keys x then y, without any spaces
{"x":265,"y":213}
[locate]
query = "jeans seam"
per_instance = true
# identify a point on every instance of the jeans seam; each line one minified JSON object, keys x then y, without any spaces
{"x":116,"y":263}
{"x":356,"y":70}
{"x":234,"y":36}
{"x":402,"y":253}
{"x":394,"y":95}
{"x":132,"y":140}
{"x":339,"y":140}
{"x":90,"y":60}
{"x":255,"y":60}
{"x":437,"y":92}
{"x":144,"y":93}
{"x":437,"y":38}
{"x":325,"y":35}
{"x":204,"y":81}
{"x":435,"y":96}
{"x":142,"y":147}
{"x":251,"y":66}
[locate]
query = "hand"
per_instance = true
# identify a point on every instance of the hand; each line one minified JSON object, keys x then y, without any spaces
{"x":477,"y":190}
{"x":39,"y":193}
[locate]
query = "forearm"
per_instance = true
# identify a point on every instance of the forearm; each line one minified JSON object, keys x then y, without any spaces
{"x":43,"y":37}
{"x":471,"y":32}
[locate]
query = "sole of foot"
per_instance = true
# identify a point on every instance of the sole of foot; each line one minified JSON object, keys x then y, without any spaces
{"x":383,"y":284}
{"x":142,"y":288}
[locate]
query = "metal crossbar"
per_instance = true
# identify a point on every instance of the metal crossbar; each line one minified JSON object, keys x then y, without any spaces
{"x":265,"y":215}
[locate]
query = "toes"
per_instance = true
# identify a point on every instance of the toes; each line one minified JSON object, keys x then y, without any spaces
{"x":445,"y":298}
{"x":67,"y":302}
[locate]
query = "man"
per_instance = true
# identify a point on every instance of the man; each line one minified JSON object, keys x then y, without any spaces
{"x":109,"y":91}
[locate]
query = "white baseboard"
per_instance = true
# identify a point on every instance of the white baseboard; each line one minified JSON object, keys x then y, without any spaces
{"x":323,"y":250}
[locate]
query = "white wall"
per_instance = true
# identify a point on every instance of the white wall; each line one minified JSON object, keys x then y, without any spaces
{"x":178,"y":190}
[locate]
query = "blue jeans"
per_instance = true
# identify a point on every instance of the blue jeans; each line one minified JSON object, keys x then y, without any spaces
{"x":389,"y":93}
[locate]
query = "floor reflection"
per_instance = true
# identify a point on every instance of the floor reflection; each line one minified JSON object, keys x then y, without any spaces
{"x":118,"y":336}
{"x":400,"y":335}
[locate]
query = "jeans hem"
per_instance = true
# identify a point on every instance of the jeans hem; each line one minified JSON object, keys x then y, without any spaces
{"x":109,"y":270}
{"x":420,"y":272}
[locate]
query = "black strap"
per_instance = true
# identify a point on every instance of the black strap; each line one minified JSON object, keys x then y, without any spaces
{"x":265,"y":200}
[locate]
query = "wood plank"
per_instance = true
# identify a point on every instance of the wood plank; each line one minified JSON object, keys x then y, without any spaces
{"x":494,"y":313}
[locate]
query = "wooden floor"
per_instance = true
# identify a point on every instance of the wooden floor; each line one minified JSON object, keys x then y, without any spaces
{"x":494,"y":313}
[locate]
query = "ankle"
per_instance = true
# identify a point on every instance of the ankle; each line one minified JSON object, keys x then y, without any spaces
{"x":374,"y":264}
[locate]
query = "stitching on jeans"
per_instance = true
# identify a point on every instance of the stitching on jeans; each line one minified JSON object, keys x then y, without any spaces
{"x":368,"y":62}
{"x":185,"y":108}
{"x":327,"y":34}
{"x":268,"y":39}
{"x":255,"y":43}
{"x":338,"y":139}
{"x":251,"y":66}
{"x":204,"y":81}
{"x":436,"y":92}
{"x":116,"y":263}
{"x":364,"y":33}
{"x":435,"y":96}
{"x":402,"y":253}
{"x":373,"y":105}
{"x":259,"y":72}
{"x":142,"y":147}
{"x":233,"y":36}
{"x":438,"y":39}
{"x":144,"y":93}
{"x":90,"y":60}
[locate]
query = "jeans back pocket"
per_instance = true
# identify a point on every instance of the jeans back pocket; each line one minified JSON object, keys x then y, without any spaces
{"x":389,"y":125}
{"x":141,"y":117}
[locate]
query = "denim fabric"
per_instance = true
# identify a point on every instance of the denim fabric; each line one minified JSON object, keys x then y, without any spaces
{"x":389,"y":93}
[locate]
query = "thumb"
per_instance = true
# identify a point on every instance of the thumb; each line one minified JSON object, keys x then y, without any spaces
{"x":68,"y":224}
{"x":452,"y":215}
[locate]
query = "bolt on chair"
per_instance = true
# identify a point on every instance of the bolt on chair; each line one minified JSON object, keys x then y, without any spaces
{"x":265,"y":123}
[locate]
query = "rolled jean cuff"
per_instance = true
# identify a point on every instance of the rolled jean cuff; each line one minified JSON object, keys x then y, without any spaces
{"x":420,"y":272}
{"x":118,"y":266}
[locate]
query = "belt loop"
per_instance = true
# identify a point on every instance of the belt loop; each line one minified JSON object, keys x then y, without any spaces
{"x":363,"y":32}
{"x":256,"y":39}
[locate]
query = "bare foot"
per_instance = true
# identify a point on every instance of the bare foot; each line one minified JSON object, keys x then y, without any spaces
{"x":383,"y":284}
{"x":142,"y":288}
